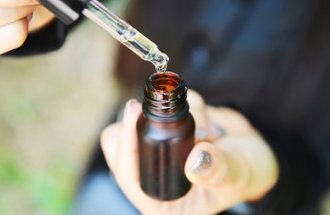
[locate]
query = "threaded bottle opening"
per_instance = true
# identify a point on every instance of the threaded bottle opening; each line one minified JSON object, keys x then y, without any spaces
{"x":165,"y":94}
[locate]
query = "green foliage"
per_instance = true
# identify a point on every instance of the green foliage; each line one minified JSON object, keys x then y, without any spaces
{"x":46,"y":193}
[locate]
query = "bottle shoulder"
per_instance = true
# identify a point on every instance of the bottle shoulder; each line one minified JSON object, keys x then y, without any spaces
{"x":158,"y":130}
{"x":188,"y":120}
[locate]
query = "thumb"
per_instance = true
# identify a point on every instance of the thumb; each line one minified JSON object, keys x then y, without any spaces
{"x":209,"y":166}
{"x":205,"y":165}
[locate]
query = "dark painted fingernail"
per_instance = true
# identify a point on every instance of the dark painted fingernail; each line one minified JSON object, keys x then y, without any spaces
{"x":203,"y":161}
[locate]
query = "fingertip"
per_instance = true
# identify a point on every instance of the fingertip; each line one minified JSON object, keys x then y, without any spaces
{"x":200,"y":162}
{"x":13,"y":35}
{"x":205,"y":165}
{"x":22,"y":30}
{"x":132,"y":109}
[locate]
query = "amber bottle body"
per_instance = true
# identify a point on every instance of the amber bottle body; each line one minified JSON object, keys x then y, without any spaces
{"x":166,"y":137}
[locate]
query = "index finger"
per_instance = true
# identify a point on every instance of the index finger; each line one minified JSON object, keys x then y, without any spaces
{"x":206,"y":129}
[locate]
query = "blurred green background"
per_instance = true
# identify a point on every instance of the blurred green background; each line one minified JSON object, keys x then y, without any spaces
{"x":52,"y":108}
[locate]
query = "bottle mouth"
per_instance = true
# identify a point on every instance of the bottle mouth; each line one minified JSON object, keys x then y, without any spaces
{"x":166,"y":86}
{"x":165,"y":94}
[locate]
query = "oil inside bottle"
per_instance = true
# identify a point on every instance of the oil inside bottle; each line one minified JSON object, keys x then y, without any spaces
{"x":166,"y":136}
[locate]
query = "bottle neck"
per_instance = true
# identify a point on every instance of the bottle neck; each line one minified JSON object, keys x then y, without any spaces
{"x":165,"y":97}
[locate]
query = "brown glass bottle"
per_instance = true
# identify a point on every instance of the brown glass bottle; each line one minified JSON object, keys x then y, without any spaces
{"x":166,"y":136}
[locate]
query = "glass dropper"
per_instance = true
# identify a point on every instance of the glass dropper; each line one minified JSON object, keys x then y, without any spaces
{"x":118,"y":28}
{"x":126,"y":34}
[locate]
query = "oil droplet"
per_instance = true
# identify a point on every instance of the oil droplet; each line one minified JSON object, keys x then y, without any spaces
{"x":160,"y":61}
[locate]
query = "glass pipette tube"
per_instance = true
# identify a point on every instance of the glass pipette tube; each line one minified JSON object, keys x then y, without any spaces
{"x":126,"y":34}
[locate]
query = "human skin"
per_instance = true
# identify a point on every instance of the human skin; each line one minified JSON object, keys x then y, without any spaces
{"x":17,"y":19}
{"x":230,"y":163}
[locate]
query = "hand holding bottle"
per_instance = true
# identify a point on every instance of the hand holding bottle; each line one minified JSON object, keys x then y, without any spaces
{"x":230,"y":163}
{"x":17,"y":18}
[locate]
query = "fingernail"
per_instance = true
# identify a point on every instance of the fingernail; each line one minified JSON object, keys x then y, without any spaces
{"x":202,"y":162}
{"x":128,"y":109}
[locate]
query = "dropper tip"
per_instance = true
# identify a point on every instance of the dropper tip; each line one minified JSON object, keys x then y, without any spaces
{"x":161,"y":63}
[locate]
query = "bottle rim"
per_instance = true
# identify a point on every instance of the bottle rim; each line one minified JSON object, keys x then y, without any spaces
{"x":165,"y":95}
{"x":176,"y":83}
